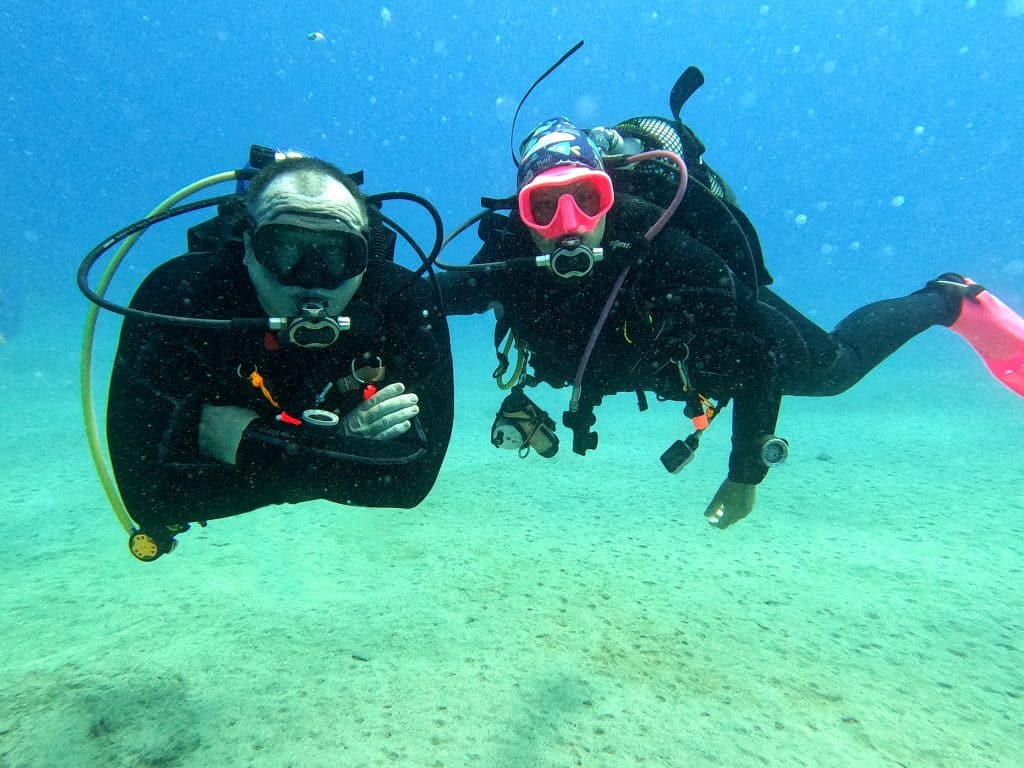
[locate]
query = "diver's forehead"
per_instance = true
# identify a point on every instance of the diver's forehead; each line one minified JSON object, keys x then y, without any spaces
{"x":316,"y":193}
{"x":306,"y":185}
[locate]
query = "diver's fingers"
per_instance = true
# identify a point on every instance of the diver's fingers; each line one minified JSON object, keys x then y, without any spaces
{"x":389,"y":420}
{"x":397,"y":430}
{"x":384,"y":393}
{"x":715,"y":516}
{"x":715,"y":512}
{"x":393,"y":405}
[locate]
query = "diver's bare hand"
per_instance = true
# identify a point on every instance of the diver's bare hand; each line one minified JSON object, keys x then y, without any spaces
{"x":385,"y":416}
{"x":732,"y":502}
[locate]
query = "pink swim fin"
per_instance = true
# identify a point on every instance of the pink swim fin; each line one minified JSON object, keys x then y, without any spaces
{"x":997,"y":334}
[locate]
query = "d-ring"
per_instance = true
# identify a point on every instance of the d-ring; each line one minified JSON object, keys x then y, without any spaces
{"x":380,"y":364}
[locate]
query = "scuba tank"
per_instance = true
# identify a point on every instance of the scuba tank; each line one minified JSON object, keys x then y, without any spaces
{"x":711,"y":213}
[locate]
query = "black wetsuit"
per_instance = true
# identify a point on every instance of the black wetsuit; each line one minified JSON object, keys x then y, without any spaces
{"x":163,"y":375}
{"x":683,"y":324}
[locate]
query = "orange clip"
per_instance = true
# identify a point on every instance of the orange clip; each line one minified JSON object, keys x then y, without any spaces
{"x":709,"y":407}
{"x":256,"y":379}
{"x":703,"y":421}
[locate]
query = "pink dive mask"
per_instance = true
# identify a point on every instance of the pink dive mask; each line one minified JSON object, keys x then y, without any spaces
{"x":565,"y":200}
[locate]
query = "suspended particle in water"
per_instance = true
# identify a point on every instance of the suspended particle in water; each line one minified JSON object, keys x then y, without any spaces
{"x":801,"y":219}
{"x":1014,"y":268}
{"x":316,"y":37}
{"x":898,"y":201}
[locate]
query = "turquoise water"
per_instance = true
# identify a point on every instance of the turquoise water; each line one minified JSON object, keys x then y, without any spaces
{"x":577,"y":611}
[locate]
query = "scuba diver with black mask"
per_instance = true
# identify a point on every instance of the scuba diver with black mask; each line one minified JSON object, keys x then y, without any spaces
{"x":305,"y":363}
{"x":626,"y":265}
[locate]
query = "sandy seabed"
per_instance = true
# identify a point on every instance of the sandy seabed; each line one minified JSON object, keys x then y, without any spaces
{"x":571,"y":612}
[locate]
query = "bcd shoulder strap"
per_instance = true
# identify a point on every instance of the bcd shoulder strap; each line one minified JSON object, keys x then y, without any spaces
{"x":381,"y":242}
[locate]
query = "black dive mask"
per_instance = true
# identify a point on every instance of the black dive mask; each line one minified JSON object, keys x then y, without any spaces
{"x":571,"y":258}
{"x":313,"y":328}
{"x":309,"y":258}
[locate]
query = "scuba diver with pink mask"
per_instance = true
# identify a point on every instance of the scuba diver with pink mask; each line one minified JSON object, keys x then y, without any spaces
{"x":626,"y":265}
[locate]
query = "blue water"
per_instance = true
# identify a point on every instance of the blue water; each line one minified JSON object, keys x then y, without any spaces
{"x":832,"y":111}
{"x":873,"y":144}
